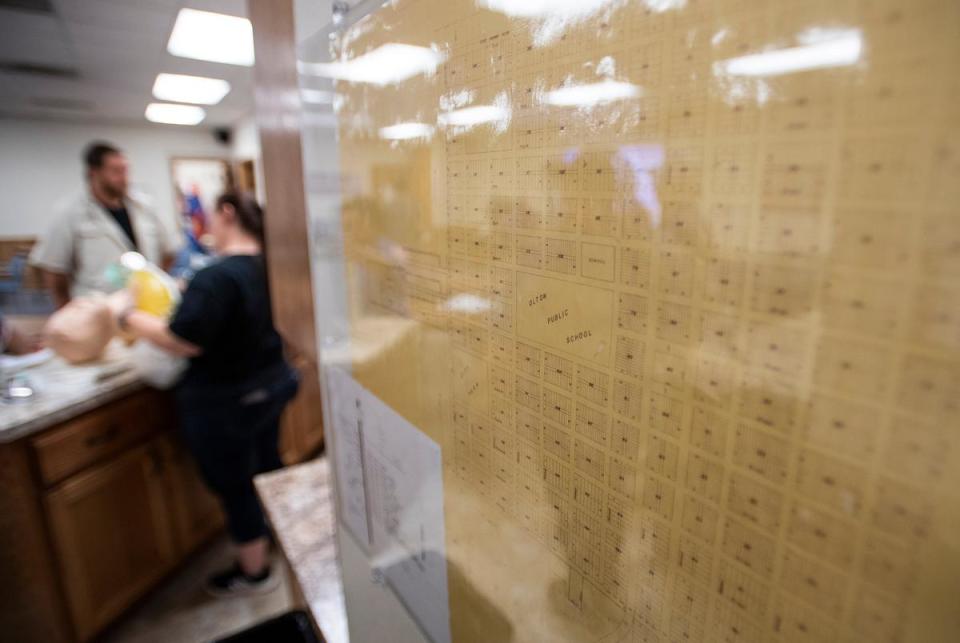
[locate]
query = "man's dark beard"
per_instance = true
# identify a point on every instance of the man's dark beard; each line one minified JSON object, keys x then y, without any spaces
{"x":112,"y":193}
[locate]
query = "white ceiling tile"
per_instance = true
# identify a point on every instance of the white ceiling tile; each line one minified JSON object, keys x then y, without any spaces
{"x":136,"y":17}
{"x":22,"y":48}
{"x":229,"y":7}
{"x":121,"y":40}
{"x":118,"y":47}
{"x":20,"y":22}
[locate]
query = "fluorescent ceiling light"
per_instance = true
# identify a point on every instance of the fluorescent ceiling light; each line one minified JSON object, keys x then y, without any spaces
{"x":190,"y":89}
{"x":174,"y":114}
{"x":476,"y":115}
{"x":405,"y":131}
{"x":593,"y":94}
{"x":388,"y":64}
{"x":316,"y":96}
{"x":210,"y":36}
{"x":842,"y":49}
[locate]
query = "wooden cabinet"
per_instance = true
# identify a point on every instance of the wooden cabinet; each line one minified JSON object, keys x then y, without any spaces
{"x":94,"y":512}
{"x":112,"y":533}
{"x":100,"y":434}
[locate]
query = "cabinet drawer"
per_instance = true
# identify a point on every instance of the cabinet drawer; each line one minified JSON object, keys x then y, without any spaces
{"x":99,"y":434}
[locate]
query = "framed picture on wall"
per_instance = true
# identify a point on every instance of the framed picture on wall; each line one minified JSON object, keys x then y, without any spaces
{"x":197,"y":183}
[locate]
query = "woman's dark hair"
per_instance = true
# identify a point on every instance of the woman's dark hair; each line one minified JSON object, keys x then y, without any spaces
{"x":249,"y":212}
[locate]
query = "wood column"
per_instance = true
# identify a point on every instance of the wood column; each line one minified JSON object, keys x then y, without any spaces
{"x":278,"y":113}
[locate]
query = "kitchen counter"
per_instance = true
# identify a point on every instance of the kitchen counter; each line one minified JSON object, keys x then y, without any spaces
{"x":64,"y":391}
{"x":100,"y":499}
{"x":299,"y":506}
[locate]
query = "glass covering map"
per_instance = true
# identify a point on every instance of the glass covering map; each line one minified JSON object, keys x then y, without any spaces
{"x":676,"y":287}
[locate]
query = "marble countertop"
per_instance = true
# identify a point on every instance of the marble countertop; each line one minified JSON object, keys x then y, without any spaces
{"x":64,"y":391}
{"x":299,"y":505}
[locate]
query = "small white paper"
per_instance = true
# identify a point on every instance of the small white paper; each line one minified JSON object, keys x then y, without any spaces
{"x":390,"y":484}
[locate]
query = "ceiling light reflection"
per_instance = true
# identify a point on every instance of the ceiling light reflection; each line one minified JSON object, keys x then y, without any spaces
{"x":550,"y":18}
{"x":544,"y":8}
{"x":317,"y":96}
{"x":660,"y":6}
{"x":592,"y":94}
{"x":467,"y":303}
{"x":406,"y":131}
{"x":567,"y":8}
{"x":456,"y":100}
{"x":386,"y":65}
{"x":475,"y":115}
{"x":836,"y":50}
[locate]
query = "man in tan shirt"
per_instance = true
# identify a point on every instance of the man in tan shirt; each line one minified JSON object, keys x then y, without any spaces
{"x":97,"y":228}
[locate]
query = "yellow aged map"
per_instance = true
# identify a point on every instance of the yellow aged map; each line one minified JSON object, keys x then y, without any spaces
{"x":676,"y":286}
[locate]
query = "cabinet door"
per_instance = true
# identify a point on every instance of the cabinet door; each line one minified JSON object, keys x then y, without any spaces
{"x":197,"y":511}
{"x":112,"y":531}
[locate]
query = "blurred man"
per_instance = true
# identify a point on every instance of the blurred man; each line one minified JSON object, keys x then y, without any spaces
{"x":97,"y":228}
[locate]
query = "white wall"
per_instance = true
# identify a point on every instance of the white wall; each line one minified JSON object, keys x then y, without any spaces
{"x":245,"y":147}
{"x":40,"y":166}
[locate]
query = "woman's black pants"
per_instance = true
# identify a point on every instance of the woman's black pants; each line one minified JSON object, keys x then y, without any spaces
{"x":234,"y":437}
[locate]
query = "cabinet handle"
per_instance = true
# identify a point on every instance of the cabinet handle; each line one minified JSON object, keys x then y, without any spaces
{"x":98,"y":440}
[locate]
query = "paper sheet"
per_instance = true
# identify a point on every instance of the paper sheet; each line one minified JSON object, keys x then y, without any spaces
{"x":390,"y":483}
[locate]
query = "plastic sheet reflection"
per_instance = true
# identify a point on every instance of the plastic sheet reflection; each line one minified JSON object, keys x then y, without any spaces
{"x":388,"y":64}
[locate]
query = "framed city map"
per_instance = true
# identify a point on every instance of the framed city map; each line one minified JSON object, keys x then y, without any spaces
{"x":675,"y":286}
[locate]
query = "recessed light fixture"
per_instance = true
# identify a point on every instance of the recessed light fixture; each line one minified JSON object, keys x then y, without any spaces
{"x":190,"y":89}
{"x":388,"y":64}
{"x":216,"y":37}
{"x":171,"y":114}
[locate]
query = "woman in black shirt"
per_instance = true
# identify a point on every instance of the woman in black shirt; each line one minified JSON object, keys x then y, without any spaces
{"x":237,"y":384}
